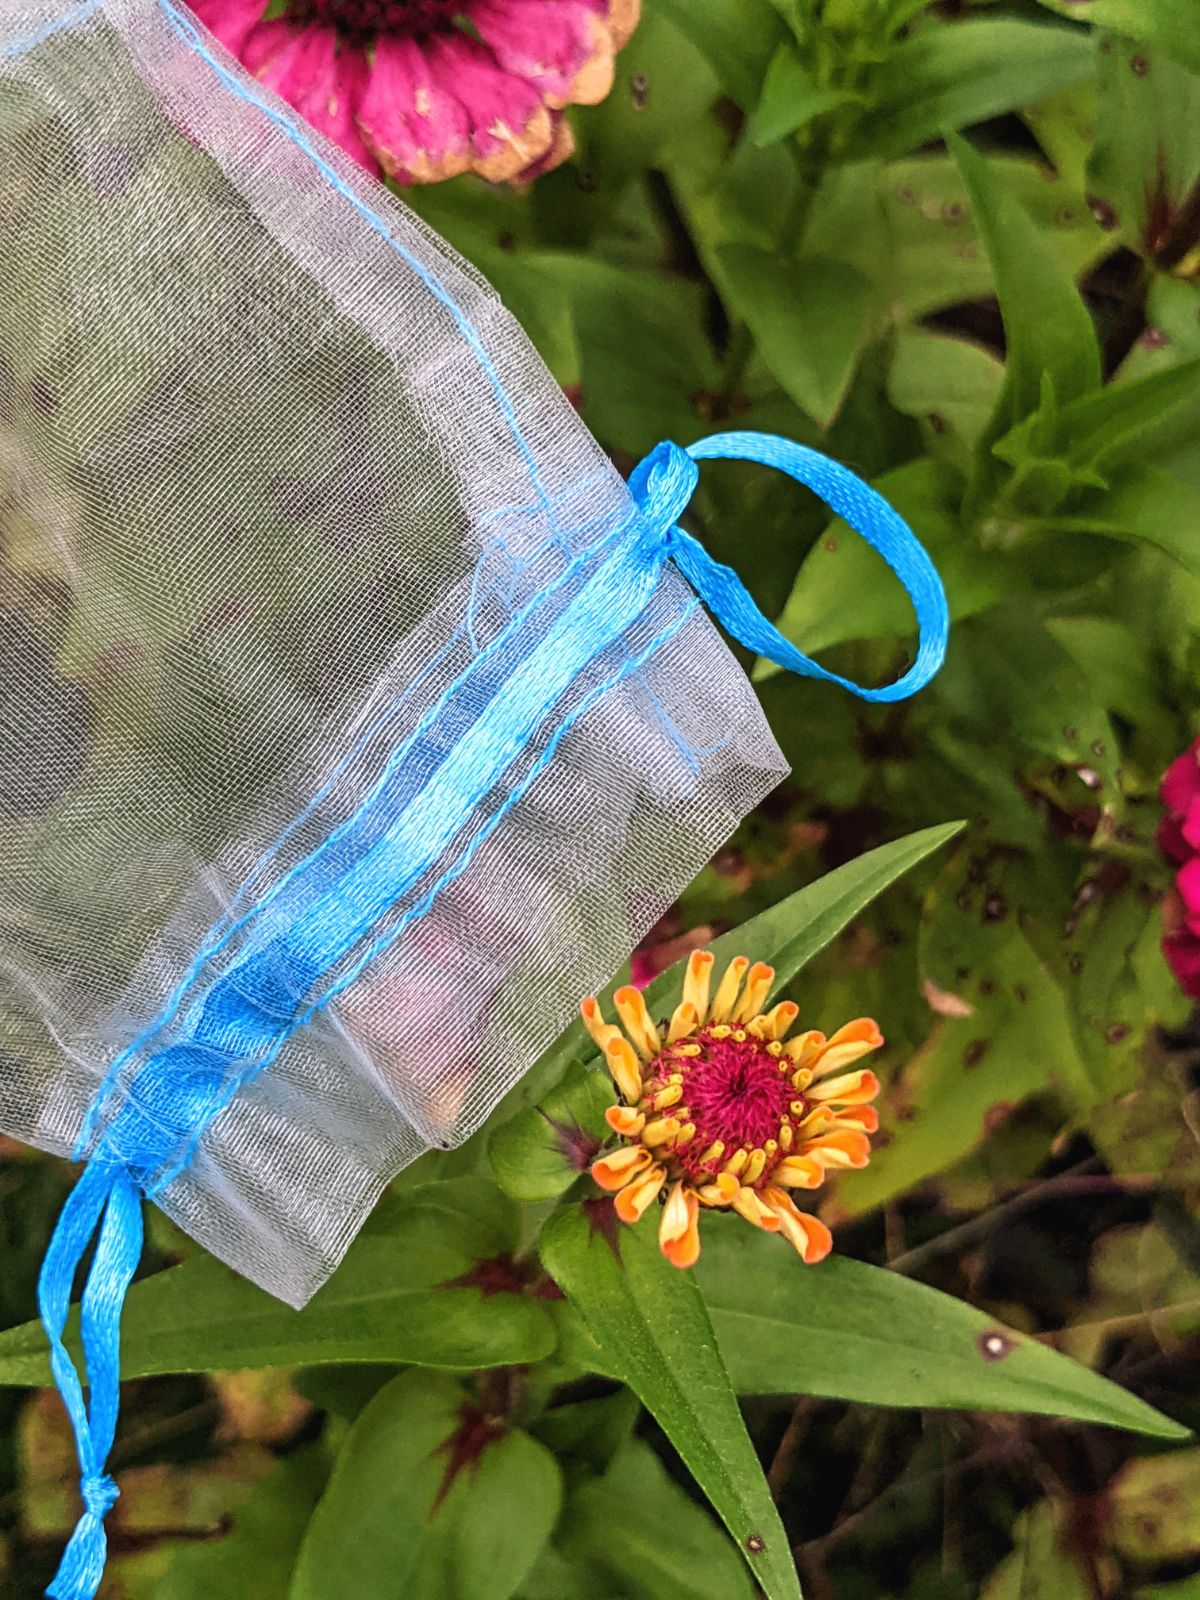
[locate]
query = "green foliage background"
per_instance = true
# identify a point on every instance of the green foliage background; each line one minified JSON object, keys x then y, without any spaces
{"x":957,"y":246}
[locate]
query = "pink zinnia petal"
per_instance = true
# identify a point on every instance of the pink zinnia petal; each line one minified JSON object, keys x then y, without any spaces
{"x":509,"y":125}
{"x":323,"y":82}
{"x":232,"y":21}
{"x":1181,"y":782}
{"x":1183,"y":957}
{"x":1189,"y":827}
{"x":564,"y":49}
{"x":416,"y":127}
{"x":1187,"y":881}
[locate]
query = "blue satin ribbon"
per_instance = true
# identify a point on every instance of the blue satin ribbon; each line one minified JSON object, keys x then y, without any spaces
{"x":310,"y":935}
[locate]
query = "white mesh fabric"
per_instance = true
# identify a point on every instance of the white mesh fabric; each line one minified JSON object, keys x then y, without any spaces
{"x":277,"y":470}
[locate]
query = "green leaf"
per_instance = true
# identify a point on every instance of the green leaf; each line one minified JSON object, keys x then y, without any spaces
{"x":1044,"y":1565}
{"x":953,"y":76}
{"x":791,"y":99}
{"x":386,"y":1303}
{"x":1048,"y":329}
{"x":543,"y":1149}
{"x":737,"y":43}
{"x":1147,"y":154}
{"x":638,"y":1527}
{"x":810,"y":319}
{"x":1111,"y":428}
{"x":430,"y":1499}
{"x":820,"y":611}
{"x":255,"y":1557}
{"x":650,"y":1320}
{"x":1146,"y":505}
{"x":1169,"y":24}
{"x":850,"y":1331}
{"x":790,"y":934}
{"x":949,"y":384}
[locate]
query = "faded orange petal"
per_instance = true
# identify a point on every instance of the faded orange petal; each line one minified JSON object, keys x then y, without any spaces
{"x":679,"y":1230}
{"x":633,"y":1199}
{"x":854,"y":1089}
{"x":864,"y":1117}
{"x":848,"y":1045}
{"x":625,"y":1121}
{"x":807,"y":1235}
{"x":748,"y":1205}
{"x":696,"y":981}
{"x":614,"y":1171}
{"x":637,"y":1022}
{"x":840,"y":1147}
{"x":800,"y":1172}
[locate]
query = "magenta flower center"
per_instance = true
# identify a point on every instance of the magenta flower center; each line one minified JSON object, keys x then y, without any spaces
{"x":413,"y":18}
{"x":738,"y":1094}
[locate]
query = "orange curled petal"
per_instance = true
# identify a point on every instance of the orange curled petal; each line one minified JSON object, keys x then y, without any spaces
{"x":840,"y":1147}
{"x":696,"y":982}
{"x":854,"y":1089}
{"x":619,"y":1167}
{"x":848,"y":1045}
{"x":864,"y":1117}
{"x":684,"y":1020}
{"x":625,"y":1121}
{"x":803,"y":1050}
{"x":633,"y":1199}
{"x":758,"y":985}
{"x":808,"y":1235}
{"x":721,"y":1192}
{"x":727,"y":990}
{"x":623,"y":1064}
{"x":748,"y":1205}
{"x":593,"y":1020}
{"x":779,"y":1019}
{"x":800,"y":1172}
{"x":679,"y":1230}
{"x":637,"y":1022}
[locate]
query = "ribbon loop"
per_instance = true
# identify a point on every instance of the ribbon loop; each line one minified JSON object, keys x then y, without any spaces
{"x":663,"y":484}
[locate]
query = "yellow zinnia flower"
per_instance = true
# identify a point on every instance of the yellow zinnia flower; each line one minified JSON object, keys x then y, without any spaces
{"x":720,"y":1108}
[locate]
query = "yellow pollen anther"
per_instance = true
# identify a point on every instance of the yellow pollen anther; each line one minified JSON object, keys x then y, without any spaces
{"x":737,"y":1162}
{"x":740,"y":1035}
{"x":787,"y":1136}
{"x":688,"y":1050}
{"x":802,"y":1078}
{"x":686,"y":1134}
{"x":776,"y":1049}
{"x":797,"y":1108}
{"x":771,"y":1147}
{"x":754,"y":1166}
{"x":670,"y":1096}
{"x":714,"y":1153}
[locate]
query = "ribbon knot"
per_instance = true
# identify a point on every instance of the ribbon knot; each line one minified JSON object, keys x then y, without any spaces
{"x":99,"y":1494}
{"x":663,"y":484}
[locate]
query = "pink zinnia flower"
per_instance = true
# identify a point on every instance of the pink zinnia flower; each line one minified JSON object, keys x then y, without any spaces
{"x":1179,"y":836}
{"x":426,"y":89}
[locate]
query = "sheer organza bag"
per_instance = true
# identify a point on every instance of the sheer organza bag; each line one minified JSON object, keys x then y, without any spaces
{"x":357,"y":717}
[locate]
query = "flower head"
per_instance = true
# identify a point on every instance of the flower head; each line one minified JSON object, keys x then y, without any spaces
{"x":721,"y":1109}
{"x":427,"y":89}
{"x":1179,"y":836}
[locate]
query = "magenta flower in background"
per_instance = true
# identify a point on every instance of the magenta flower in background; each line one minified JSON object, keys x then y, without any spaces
{"x":1179,"y":836}
{"x":427,"y":89}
